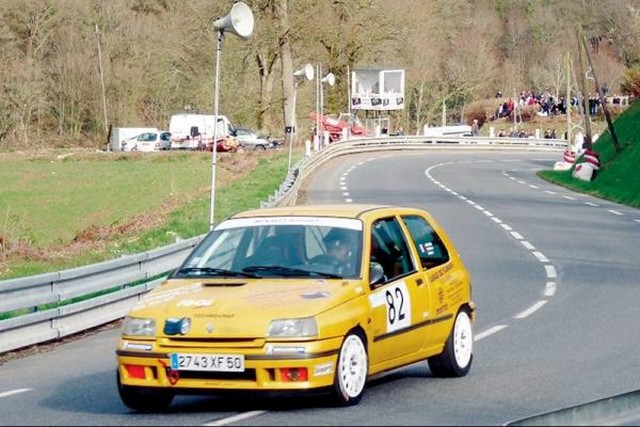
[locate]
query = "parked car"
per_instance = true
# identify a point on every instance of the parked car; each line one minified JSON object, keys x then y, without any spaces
{"x":252,"y":140}
{"x":301,"y":298}
{"x":148,"y":141}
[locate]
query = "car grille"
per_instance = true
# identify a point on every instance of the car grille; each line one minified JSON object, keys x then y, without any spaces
{"x":203,"y":342}
{"x":247,"y":375}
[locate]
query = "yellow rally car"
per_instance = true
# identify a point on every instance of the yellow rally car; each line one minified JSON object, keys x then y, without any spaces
{"x":303,"y":298}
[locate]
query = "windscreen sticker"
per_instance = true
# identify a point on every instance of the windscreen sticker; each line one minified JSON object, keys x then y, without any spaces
{"x":348,"y":223}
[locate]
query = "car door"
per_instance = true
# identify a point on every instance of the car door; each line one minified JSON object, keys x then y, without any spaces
{"x":440,"y":277}
{"x":398,"y":303}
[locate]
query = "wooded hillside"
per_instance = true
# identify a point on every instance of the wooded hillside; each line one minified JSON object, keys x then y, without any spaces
{"x":158,"y":56}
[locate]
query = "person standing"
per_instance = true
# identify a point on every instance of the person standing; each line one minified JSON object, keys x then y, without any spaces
{"x":475,"y":129}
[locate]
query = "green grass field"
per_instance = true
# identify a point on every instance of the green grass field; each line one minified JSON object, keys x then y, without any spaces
{"x":59,"y":211}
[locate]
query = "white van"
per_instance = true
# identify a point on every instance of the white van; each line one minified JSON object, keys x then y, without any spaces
{"x":196,"y":131}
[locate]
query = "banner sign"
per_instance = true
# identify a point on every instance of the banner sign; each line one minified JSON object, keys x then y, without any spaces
{"x":377,"y":89}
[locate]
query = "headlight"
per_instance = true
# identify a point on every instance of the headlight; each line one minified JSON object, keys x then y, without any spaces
{"x":137,"y":326}
{"x":289,"y":328}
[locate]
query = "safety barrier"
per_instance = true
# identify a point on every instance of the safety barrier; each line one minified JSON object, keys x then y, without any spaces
{"x":90,"y":296}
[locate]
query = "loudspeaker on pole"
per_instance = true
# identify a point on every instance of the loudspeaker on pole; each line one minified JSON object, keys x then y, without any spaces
{"x":330,"y":79}
{"x":306,"y":72}
{"x":239,"y":21}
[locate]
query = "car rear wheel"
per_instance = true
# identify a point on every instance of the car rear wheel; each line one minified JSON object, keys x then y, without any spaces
{"x":455,"y":360}
{"x":144,"y":399}
{"x":351,"y":371}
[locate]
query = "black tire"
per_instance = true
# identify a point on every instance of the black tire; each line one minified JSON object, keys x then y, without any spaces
{"x":352,"y":370}
{"x":144,"y":399}
{"x":455,"y":360}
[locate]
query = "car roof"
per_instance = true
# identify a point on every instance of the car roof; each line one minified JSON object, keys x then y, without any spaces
{"x":344,"y":210}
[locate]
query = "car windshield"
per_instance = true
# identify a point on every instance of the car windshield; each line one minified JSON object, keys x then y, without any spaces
{"x":282,"y":247}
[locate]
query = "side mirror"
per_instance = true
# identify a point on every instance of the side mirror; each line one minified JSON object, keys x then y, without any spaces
{"x":376,"y":274}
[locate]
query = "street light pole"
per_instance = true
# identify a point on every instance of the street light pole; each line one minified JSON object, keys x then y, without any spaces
{"x":292,"y":134}
{"x":214,"y":150}
{"x":239,"y":22}
{"x":307,"y":73}
{"x":330,"y":79}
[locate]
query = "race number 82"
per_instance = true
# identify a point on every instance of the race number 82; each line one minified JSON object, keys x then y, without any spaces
{"x":398,"y":304}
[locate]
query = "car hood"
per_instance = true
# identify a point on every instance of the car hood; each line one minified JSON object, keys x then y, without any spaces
{"x":240,"y":308}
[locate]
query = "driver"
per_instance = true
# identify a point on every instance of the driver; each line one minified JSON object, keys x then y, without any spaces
{"x":340,"y":251}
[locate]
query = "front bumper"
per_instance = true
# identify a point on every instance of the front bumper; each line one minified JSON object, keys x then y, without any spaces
{"x":312,"y":366}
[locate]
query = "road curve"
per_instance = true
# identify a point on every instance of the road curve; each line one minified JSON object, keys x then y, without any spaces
{"x":555,"y":279}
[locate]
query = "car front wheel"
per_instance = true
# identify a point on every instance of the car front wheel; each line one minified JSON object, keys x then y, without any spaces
{"x":351,"y":371}
{"x":144,"y":399}
{"x":455,"y":360}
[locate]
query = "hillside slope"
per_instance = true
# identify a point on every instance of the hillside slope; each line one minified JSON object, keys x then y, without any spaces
{"x":618,"y":178}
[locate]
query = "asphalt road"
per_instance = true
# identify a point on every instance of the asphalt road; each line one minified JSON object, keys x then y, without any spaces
{"x":556,"y":280}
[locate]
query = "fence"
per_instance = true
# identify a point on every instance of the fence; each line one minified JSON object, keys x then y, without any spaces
{"x":90,"y":296}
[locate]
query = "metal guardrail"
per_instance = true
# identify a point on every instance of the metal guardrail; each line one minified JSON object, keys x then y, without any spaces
{"x":121,"y":282}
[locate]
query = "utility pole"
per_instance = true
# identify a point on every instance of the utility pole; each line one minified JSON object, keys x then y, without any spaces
{"x":603,"y":101}
{"x":104,"y":98}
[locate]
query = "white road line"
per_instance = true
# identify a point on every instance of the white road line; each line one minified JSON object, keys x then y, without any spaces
{"x":540,"y":256}
{"x":480,"y":208}
{"x":521,"y":182}
{"x":488,"y":213}
{"x":550,"y":289}
{"x":550,"y":192}
{"x":615,"y":212}
{"x":233,"y":419}
{"x":345,"y":193}
{"x":348,"y":200}
{"x":489,"y":331}
{"x":343,"y":188}
{"x":535,"y":307}
{"x":12,"y":392}
{"x":637,"y":220}
{"x":569,"y":198}
{"x":591,"y":204}
{"x":533,"y":186}
{"x":517,"y":235}
{"x":528,"y":245}
{"x":496,"y":220}
{"x":506,"y":227}
{"x":471,"y":202}
{"x":551,"y":271}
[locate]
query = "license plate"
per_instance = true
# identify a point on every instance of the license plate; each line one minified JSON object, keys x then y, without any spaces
{"x":207,"y":362}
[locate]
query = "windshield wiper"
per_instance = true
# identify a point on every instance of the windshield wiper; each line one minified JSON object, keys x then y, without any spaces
{"x":211,"y":271}
{"x":289,"y":271}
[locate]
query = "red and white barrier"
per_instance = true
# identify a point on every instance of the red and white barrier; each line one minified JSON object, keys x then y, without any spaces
{"x":586,"y":169}
{"x":568,"y":159}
